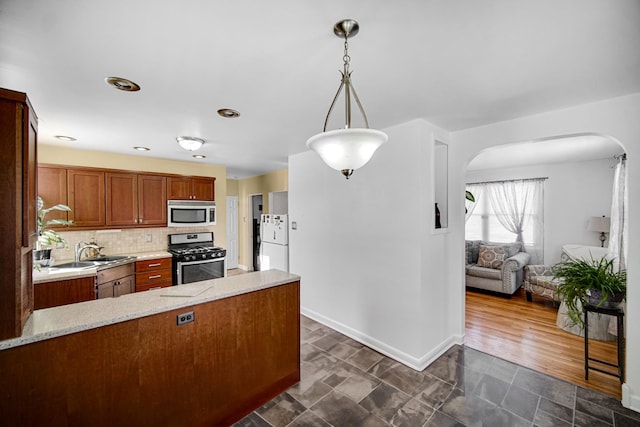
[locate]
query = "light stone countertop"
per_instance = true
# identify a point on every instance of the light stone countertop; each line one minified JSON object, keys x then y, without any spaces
{"x":53,"y":275}
{"x":67,"y":319}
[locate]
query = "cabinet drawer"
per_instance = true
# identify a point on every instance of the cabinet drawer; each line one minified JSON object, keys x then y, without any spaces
{"x":149,"y":286}
{"x":114,"y":273}
{"x":153,"y":277}
{"x":153,"y":264}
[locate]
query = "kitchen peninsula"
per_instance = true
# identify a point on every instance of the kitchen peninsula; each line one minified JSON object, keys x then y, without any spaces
{"x":198,"y":354}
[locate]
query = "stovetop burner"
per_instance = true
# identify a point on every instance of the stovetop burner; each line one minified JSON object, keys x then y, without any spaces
{"x":194,"y":246}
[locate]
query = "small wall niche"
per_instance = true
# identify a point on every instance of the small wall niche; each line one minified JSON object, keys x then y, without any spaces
{"x":440,"y":185}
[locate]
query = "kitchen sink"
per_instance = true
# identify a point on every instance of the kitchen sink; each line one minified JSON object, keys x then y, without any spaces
{"x":81,"y":264}
{"x":109,"y":258}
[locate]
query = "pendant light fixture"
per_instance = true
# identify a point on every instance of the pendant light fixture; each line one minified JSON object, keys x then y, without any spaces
{"x":350,"y":148}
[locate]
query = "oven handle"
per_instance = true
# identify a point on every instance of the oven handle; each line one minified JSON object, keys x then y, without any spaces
{"x":201,"y":261}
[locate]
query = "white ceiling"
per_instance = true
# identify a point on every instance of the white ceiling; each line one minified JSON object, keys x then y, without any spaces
{"x":455,"y":63}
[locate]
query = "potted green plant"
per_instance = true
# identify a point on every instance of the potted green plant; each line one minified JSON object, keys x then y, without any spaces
{"x":47,"y":237}
{"x":596,"y":282}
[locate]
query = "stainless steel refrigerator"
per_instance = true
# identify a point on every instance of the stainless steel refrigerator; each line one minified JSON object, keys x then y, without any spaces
{"x":274,"y":242}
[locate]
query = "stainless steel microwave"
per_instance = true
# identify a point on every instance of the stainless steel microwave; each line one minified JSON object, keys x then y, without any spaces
{"x":190,"y":213}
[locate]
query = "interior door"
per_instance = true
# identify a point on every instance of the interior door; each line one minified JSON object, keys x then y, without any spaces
{"x":232,"y":232}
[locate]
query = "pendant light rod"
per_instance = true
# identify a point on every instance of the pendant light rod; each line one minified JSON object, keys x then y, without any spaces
{"x":346,"y":28}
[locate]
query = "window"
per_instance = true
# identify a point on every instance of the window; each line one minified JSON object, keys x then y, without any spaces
{"x":508,"y":211}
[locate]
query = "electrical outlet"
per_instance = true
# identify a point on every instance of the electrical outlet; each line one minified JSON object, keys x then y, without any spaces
{"x":294,"y":225}
{"x":149,"y":238}
{"x":186,"y":318}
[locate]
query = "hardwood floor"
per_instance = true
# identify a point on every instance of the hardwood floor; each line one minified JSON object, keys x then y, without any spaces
{"x":526,"y":333}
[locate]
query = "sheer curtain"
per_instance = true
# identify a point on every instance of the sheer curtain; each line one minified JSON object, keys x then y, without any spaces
{"x":619,"y":215}
{"x":507,"y":208}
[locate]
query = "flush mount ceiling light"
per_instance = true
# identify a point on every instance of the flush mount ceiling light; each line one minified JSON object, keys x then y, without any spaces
{"x":347,"y":149}
{"x":65,"y":138}
{"x":199,"y":156}
{"x":228,"y":113}
{"x":142,"y":148}
{"x":190,"y":143}
{"x":122,"y":84}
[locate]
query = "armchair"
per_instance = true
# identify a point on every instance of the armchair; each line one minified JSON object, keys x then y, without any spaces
{"x":539,"y":280}
{"x":496,"y":267}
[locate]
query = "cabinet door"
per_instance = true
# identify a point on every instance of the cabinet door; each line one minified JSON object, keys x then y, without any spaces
{"x":121,"y":198}
{"x":86,"y":197}
{"x":152,"y":200}
{"x":105,"y":290}
{"x":52,"y":187}
{"x":29,"y":178}
{"x":203,"y":188}
{"x":178,"y":188}
{"x":53,"y":294}
{"x":125,"y":285}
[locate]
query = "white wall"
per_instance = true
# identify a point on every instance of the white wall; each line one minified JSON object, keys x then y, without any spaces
{"x":616,"y":118}
{"x":573,"y":193}
{"x":370,"y":264}
{"x":372,"y":268}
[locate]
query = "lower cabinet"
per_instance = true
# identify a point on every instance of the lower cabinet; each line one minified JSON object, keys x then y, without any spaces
{"x":116,"y":281}
{"x":153,"y":274}
{"x":62,"y":292}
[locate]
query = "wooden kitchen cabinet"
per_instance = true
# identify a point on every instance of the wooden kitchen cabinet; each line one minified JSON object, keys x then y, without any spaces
{"x":86,"y":197}
{"x":190,"y":188}
{"x":62,"y":292}
{"x":153,"y":273}
{"x":18,"y":175}
{"x":121,"y":199}
{"x":135,"y":199}
{"x":116,"y":281}
{"x":52,"y":187}
{"x":152,"y":200}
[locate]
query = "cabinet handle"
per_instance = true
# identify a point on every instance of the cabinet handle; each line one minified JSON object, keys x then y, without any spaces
{"x":157,"y":276}
{"x":135,"y":221}
{"x":157,"y":264}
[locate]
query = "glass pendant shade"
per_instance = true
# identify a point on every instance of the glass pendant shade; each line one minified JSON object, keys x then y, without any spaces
{"x":190,"y":143}
{"x":347,"y":149}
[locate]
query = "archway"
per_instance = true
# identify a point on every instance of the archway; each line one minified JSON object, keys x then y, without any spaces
{"x":579,"y":185}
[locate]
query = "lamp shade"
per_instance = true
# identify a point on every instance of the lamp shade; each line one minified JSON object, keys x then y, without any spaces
{"x":347,"y":149}
{"x":600,"y":224}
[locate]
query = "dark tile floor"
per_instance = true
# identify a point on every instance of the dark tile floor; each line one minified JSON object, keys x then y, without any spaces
{"x":345,"y":383}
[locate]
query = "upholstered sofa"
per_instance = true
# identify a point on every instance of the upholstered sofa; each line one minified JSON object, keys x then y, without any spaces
{"x":494,"y":266}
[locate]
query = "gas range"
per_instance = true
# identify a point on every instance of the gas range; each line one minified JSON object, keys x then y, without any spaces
{"x":194,"y":247}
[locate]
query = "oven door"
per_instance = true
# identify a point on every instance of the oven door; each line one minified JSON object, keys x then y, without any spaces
{"x":198,"y":271}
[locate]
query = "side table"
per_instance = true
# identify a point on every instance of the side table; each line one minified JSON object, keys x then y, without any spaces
{"x":619,"y":313}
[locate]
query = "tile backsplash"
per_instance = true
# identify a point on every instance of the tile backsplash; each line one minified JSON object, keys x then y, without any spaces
{"x":121,"y":242}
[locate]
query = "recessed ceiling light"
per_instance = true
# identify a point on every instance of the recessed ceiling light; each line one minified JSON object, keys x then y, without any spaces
{"x":228,"y":113}
{"x":122,"y":84}
{"x":199,"y":156}
{"x":190,"y":143}
{"x":142,"y":148}
{"x":65,"y":138}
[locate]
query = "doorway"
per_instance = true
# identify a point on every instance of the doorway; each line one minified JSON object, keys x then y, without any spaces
{"x":232,"y":232}
{"x":254,"y":229}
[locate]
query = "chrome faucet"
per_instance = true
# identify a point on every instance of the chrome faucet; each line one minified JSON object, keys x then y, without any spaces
{"x":80,"y":249}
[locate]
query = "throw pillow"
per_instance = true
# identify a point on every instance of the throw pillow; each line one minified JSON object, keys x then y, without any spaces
{"x":491,"y":256}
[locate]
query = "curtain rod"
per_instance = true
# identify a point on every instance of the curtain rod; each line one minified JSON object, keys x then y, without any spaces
{"x":508,"y":180}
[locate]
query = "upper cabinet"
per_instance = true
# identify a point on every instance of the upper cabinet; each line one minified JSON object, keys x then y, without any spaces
{"x":152,"y":200}
{"x":190,"y":188}
{"x":85,"y":192}
{"x":52,"y":188}
{"x":108,"y":198}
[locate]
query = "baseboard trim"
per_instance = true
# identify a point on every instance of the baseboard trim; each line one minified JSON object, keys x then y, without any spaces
{"x":417,"y":363}
{"x":629,"y":400}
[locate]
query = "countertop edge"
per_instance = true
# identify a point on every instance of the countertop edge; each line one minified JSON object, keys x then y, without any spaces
{"x":225,"y":288}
